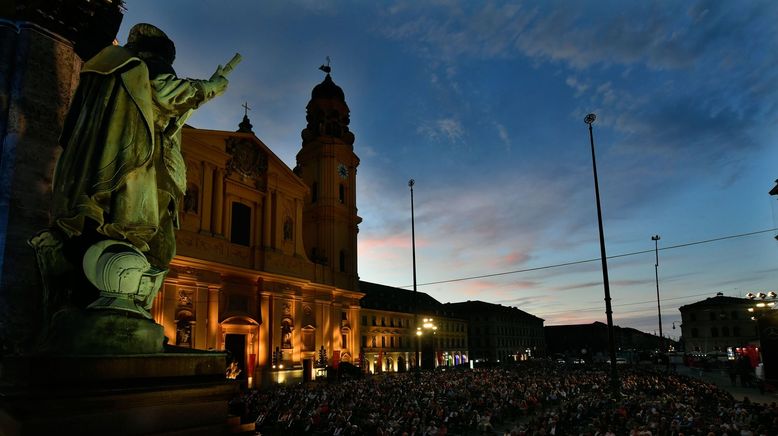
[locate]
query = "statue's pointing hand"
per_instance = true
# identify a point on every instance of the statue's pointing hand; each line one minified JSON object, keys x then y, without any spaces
{"x":216,"y":85}
{"x":218,"y":73}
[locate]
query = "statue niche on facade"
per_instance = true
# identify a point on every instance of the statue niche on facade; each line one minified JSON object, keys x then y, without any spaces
{"x":116,"y":192}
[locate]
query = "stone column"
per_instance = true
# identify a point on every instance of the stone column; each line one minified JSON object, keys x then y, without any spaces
{"x":266,"y":220}
{"x":208,"y":202}
{"x":218,"y":202}
{"x":157,"y":308}
{"x":299,"y":247}
{"x":213,"y":318}
{"x":273,"y":219}
{"x":201,"y":309}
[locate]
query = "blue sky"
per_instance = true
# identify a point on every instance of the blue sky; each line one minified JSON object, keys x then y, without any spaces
{"x":482,"y":103}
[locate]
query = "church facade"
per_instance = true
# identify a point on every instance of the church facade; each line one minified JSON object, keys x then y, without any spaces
{"x":266,"y":264}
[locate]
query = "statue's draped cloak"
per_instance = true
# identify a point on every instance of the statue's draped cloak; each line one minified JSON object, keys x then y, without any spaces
{"x":114,"y":169}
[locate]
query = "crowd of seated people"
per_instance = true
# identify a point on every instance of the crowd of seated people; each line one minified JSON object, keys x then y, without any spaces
{"x":522,"y":400}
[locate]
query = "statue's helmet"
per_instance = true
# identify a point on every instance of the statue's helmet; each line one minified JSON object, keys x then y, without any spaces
{"x":115,"y":267}
{"x":124,"y":276}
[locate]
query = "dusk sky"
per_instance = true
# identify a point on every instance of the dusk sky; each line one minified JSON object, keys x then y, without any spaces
{"x":482,"y":103}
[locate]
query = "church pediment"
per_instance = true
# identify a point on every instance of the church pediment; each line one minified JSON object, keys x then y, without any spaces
{"x":247,"y":160}
{"x":244,"y":157}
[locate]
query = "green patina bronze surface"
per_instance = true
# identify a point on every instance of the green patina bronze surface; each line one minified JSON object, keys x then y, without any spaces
{"x":120,"y":177}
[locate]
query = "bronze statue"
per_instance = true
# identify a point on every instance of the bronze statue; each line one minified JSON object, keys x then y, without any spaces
{"x":119,"y":181}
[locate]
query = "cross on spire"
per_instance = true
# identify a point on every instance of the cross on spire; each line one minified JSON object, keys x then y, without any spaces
{"x":245,"y":125}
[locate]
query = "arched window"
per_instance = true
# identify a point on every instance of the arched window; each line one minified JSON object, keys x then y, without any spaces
{"x":341,"y":193}
{"x":314,"y":192}
{"x":342,"y":261}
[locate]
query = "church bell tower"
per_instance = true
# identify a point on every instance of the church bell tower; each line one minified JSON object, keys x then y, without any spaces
{"x":328,"y":165}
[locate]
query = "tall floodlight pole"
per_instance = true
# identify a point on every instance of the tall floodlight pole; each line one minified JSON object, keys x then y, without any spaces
{"x":412,"y":182}
{"x":608,"y":311}
{"x":656,"y":239}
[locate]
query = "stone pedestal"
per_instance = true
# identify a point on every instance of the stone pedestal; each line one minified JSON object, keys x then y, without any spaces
{"x":166,"y":393}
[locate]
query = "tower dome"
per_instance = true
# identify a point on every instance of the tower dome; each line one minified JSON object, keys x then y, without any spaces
{"x":328,"y":89}
{"x":327,"y":164}
{"x":327,"y":113}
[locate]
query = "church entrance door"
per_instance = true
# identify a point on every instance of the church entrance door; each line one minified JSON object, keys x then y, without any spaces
{"x":235,"y":344}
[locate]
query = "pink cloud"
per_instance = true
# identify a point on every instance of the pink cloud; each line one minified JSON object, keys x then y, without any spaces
{"x":390,"y":242}
{"x":513,"y":259}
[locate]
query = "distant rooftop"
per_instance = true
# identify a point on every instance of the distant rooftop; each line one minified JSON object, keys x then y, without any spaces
{"x":400,"y":300}
{"x":718,"y":300}
{"x":478,"y":306}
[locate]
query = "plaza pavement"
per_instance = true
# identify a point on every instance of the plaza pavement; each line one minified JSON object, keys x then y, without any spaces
{"x":720,"y":378}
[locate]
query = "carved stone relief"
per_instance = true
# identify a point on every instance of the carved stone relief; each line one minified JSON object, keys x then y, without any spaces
{"x":247,"y":160}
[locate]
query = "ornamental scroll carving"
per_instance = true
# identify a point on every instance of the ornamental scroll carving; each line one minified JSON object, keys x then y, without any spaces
{"x":247,"y":160}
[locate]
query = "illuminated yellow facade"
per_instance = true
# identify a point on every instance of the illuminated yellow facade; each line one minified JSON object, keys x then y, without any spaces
{"x":266,"y":255}
{"x":391,"y":330}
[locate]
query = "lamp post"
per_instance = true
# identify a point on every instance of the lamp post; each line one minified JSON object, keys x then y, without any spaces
{"x":412,"y":182}
{"x":429,"y":325}
{"x":767,"y":303}
{"x":679,"y":336}
{"x":606,"y":286}
{"x":766,"y":317}
{"x":774,"y":191}
{"x":679,"y":325}
{"x":656,"y":238}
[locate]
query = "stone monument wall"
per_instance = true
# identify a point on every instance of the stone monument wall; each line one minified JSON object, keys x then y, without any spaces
{"x":38,"y":75}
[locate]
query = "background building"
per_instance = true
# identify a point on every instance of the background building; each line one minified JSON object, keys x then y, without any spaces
{"x":500,"y":333}
{"x":718,"y":323}
{"x":266,"y":256}
{"x":390,"y":317}
{"x":590,"y":342}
